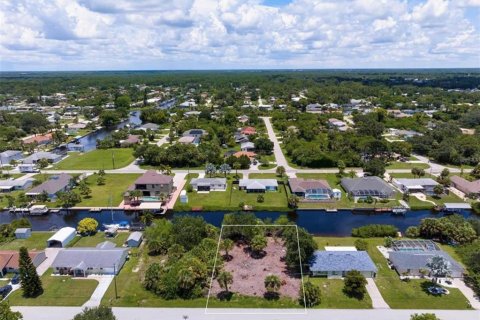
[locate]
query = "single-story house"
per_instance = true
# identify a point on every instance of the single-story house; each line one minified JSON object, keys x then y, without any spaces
{"x":23,"y":233}
{"x":56,"y":183}
{"x":209,"y":184}
{"x":81,"y":262}
{"x":187,"y":140}
{"x":9,"y":260}
{"x":15,"y":184}
{"x":243,"y":118}
{"x":35,"y":157}
{"x":39,"y":139}
{"x":192,"y":114}
{"x":412,"y":262}
{"x":131,"y":140}
{"x":335,"y":264}
{"x":196,"y":133}
{"x":361,"y":188}
{"x":149,"y":126}
{"x":188,"y":104}
{"x":248,"y":131}
{"x":314,"y":108}
{"x":152,"y":185}
{"x":240,"y":137}
{"x":258,"y":185}
{"x":249,"y":154}
{"x":247,"y":146}
{"x":134,"y":239}
{"x":62,"y":238}
{"x":467,"y":187}
{"x":311,"y":189}
{"x":423,"y":185}
{"x":9,"y":155}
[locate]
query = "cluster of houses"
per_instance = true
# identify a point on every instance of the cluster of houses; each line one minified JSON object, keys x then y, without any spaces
{"x":29,"y":163}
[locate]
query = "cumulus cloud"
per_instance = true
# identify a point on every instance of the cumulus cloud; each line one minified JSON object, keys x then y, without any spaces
{"x":203,"y":34}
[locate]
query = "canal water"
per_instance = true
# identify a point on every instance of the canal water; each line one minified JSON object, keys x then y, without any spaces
{"x":89,"y":141}
{"x":317,"y":222}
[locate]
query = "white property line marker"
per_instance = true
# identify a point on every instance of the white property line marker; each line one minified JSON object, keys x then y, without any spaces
{"x":284,"y":311}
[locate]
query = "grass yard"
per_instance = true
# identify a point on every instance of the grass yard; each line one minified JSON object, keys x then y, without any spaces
{"x":265,"y":176}
{"x":400,"y":294}
{"x":344,"y":202}
{"x":38,"y":241}
{"x":334,"y":298}
{"x":97,"y":159}
{"x":406,"y":165}
{"x":115,"y":186}
{"x":92,"y":241}
{"x":58,"y":291}
{"x":408,"y":175}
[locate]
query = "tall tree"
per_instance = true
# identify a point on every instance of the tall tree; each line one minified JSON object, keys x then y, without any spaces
{"x":354,"y":284}
{"x":29,"y":279}
{"x":439,"y":267}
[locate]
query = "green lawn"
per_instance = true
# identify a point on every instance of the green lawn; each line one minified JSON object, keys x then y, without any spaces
{"x":38,"y":241}
{"x":408,"y":175}
{"x":344,"y":202}
{"x":417,"y":204}
{"x":334,"y":298}
{"x":265,"y":176}
{"x":115,"y":186}
{"x":58,"y":291}
{"x":407,"y":165}
{"x":92,"y":241}
{"x":97,"y":159}
{"x":400,"y":294}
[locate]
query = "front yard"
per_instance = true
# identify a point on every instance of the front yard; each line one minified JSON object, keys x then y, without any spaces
{"x":58,"y":291}
{"x":97,"y":159}
{"x":334,"y":298}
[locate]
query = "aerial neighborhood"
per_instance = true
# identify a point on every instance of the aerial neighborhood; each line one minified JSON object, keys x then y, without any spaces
{"x":250,"y":191}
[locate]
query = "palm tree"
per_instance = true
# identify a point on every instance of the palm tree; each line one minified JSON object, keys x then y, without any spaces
{"x":236,"y":166}
{"x":225,"y":169}
{"x":210,"y":169}
{"x":225,"y":279}
{"x":135,"y":194}
{"x":227,"y":245}
{"x":272,"y":283}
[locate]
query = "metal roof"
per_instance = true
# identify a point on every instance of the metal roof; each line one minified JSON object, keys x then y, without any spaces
{"x":136,"y":236}
{"x":62,"y":234}
{"x":341,"y":261}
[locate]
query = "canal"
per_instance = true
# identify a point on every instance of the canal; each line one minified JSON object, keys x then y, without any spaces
{"x":317,"y":222}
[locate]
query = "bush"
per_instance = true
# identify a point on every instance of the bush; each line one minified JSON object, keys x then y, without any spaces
{"x":87,"y":226}
{"x":412,"y":232}
{"x":189,"y":188}
{"x":312,"y":295}
{"x":260,"y":198}
{"x":361,"y":245}
{"x":354,"y":284}
{"x":375,"y":230}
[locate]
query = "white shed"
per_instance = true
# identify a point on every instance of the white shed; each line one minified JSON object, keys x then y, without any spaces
{"x":23,"y":233}
{"x":62,"y":238}
{"x":183,"y":196}
{"x":134,"y":239}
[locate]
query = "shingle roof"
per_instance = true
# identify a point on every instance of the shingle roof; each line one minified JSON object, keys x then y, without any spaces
{"x":208,"y":181}
{"x":417,"y":182}
{"x":53,"y":185}
{"x":418,"y":259}
{"x":256,"y":184}
{"x":152,"y":177}
{"x":308,"y":185}
{"x":465,"y":185}
{"x":365,"y":186}
{"x":342,"y":261}
{"x":88,"y":258}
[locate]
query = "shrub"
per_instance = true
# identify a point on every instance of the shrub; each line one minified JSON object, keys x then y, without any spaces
{"x":412,"y":232}
{"x":361,"y":245}
{"x":354,"y":284}
{"x":189,"y":188}
{"x":260,"y":198}
{"x":312,"y":296}
{"x":87,"y":226}
{"x":375,"y":230}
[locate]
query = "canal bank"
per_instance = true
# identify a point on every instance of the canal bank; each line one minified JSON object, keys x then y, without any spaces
{"x":317,"y":222}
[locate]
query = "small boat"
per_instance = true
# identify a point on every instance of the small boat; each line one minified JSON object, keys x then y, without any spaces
{"x":399,"y":210}
{"x":38,"y":210}
{"x":95,"y":210}
{"x":331,"y":210}
{"x":122,"y":225}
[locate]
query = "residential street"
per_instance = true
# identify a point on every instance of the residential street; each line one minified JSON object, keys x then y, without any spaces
{"x":67,"y":313}
{"x":277,"y":150}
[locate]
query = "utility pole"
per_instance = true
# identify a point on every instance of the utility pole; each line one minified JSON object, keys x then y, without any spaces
{"x":113,"y":160}
{"x":115,"y":281}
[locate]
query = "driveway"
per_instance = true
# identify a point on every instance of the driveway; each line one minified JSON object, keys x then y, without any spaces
{"x":51,"y":254}
{"x":104,"y":282}
{"x":468,"y":293}
{"x":377,"y":299}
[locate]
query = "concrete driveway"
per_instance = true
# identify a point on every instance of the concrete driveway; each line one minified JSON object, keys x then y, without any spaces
{"x":51,"y":254}
{"x":104,"y":282}
{"x":375,"y":295}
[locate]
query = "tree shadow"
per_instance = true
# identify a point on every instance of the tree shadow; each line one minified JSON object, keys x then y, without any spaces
{"x":355,"y":295}
{"x":271,"y":295}
{"x":227,"y":257}
{"x":257,"y":254}
{"x":225,"y":295}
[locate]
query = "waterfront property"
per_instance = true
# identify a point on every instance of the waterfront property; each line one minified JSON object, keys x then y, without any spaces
{"x":149,"y":126}
{"x":414,"y":263}
{"x":335,"y":264}
{"x":362,"y":188}
{"x":209,"y":184}
{"x":23,"y":233}
{"x":39,"y":139}
{"x":312,"y":189}
{"x":423,"y":185}
{"x":15,"y":184}
{"x":62,"y":238}
{"x":55,"y":184}
{"x":97,"y":159}
{"x":9,"y":260}
{"x":10,"y":155}
{"x":258,"y":185}
{"x":37,"y":156}
{"x":134,"y":239}
{"x":469,"y":188}
{"x":131,"y":140}
{"x":152,"y":186}
{"x":81,"y":262}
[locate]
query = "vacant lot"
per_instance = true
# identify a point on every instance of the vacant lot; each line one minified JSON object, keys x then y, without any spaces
{"x":249,"y":273}
{"x":38,"y":241}
{"x":97,"y":159}
{"x":58,"y":291}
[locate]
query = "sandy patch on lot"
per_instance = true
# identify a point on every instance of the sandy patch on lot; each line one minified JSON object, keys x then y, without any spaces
{"x":249,"y":273}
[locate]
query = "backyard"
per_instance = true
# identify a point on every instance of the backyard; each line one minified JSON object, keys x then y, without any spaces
{"x":38,"y":241}
{"x":92,"y":241}
{"x":97,"y":159}
{"x":58,"y":291}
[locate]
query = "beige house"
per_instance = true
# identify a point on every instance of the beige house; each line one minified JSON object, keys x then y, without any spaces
{"x":152,"y":186}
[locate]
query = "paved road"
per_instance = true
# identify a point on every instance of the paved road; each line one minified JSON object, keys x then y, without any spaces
{"x":277,"y":151}
{"x":64,"y":313}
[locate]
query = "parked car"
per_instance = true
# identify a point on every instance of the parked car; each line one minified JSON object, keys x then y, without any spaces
{"x":16,"y":279}
{"x":5,"y":290}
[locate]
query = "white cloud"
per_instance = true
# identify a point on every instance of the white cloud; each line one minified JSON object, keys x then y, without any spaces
{"x":131,"y":34}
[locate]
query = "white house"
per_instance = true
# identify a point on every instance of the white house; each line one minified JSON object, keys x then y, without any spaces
{"x":258,"y":185}
{"x":423,"y":185}
{"x":209,"y":184}
{"x":247,"y":146}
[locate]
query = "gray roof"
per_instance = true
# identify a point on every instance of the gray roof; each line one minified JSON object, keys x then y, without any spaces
{"x":9,"y":153}
{"x":248,"y":144}
{"x":256,"y":184}
{"x":22,"y":230}
{"x":53,"y":185}
{"x":465,"y":185}
{"x":341,"y":261}
{"x":105,"y":245}
{"x":84,"y":258}
{"x":417,"y":182}
{"x":41,"y":155}
{"x":136,"y":236}
{"x":416,"y":260}
{"x":208,"y":181}
{"x":152,"y":177}
{"x":309,"y":185}
{"x":151,"y":126}
{"x":367,"y":186}
{"x":18,"y":183}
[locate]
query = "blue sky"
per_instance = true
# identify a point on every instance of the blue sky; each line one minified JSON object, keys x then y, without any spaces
{"x":237,"y":34}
